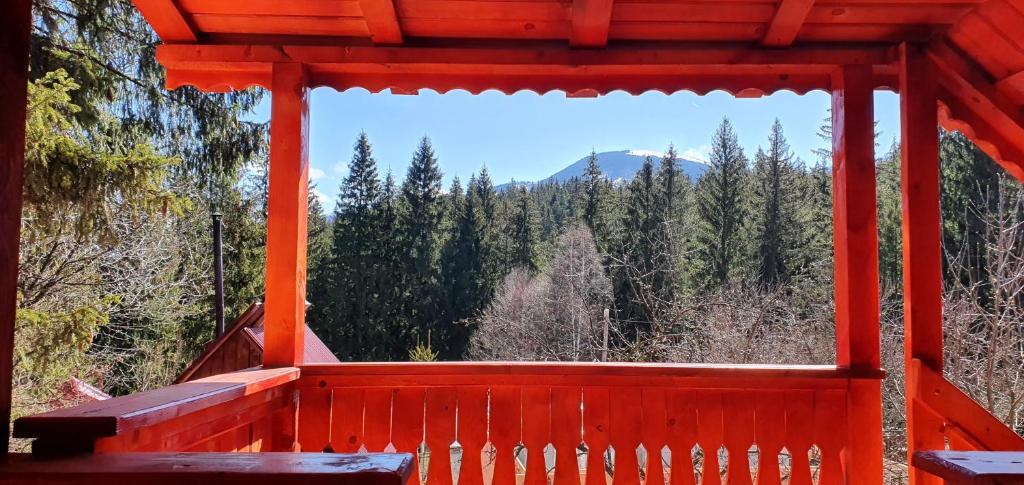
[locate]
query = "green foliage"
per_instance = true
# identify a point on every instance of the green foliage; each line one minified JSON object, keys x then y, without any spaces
{"x":719,"y":246}
{"x":775,"y":211}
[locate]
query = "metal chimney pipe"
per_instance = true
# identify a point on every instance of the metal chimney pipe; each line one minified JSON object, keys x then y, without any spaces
{"x":218,"y":276}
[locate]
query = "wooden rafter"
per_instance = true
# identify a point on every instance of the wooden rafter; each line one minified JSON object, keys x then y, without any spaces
{"x":382,"y":21}
{"x":167,"y":20}
{"x":591,"y":20}
{"x":786,"y":24}
{"x":697,"y":68}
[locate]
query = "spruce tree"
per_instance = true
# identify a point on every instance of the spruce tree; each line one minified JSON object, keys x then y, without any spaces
{"x":523,"y":232}
{"x":640,"y":290}
{"x":720,"y":209}
{"x":775,"y":211}
{"x":673,"y":192}
{"x":389,"y":287}
{"x":595,"y":205}
{"x":420,"y":220}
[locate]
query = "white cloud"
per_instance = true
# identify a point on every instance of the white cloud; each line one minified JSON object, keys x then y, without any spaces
{"x":340,"y":168}
{"x":647,"y":153}
{"x":324,"y":199}
{"x":699,"y":154}
{"x":316,"y":173}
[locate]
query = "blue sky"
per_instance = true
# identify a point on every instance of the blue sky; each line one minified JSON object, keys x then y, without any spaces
{"x":527,"y":136}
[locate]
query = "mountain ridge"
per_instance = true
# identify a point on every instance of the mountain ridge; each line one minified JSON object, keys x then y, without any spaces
{"x":619,"y":166}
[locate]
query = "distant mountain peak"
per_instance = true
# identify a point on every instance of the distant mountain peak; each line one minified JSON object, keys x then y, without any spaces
{"x":618,"y":166}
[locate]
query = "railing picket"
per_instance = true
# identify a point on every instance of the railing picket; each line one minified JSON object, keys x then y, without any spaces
{"x":536,"y":432}
{"x":314,"y":412}
{"x":738,"y":434}
{"x":681,"y":410}
{"x":770,"y":435}
{"x":626,"y":420}
{"x":595,"y":432}
{"x":472,"y":433}
{"x":505,"y":426}
{"x":347,"y":419}
{"x":799,"y":434}
{"x":566,"y":433}
{"x":407,"y":425}
{"x":654,"y":434}
{"x":710,"y":435}
{"x":440,"y":427}
{"x":830,"y":424}
{"x":377,"y":418}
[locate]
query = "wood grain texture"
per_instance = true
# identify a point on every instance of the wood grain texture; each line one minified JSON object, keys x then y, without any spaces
{"x":786,"y":24}
{"x":978,"y":467}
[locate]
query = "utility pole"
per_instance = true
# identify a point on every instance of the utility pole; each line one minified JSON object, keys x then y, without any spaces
{"x":218,"y":276}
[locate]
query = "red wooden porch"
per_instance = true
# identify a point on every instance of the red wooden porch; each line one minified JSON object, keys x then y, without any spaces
{"x":959,"y":62}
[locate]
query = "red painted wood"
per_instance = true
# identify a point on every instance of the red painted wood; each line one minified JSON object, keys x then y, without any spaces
{"x":626,"y":419}
{"x":15,"y":25}
{"x":786,"y":24}
{"x":590,"y":22}
{"x":566,"y":433}
{"x":738,"y":435}
{"x":167,"y":20}
{"x":800,"y":434}
{"x":770,"y":434}
{"x":377,"y":419}
{"x":505,"y":431}
{"x":407,"y":425}
{"x":205,"y":468}
{"x":346,"y":420}
{"x":440,"y":428}
{"x":284,"y":316}
{"x":472,"y":433}
{"x":830,"y":422}
{"x":536,"y":432}
{"x":710,"y":434}
{"x":382,"y":21}
{"x":682,"y":434}
{"x":596,"y":427}
{"x":654,"y":434}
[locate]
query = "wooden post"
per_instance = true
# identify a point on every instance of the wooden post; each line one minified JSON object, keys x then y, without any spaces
{"x":922,"y":250}
{"x":287,"y":212}
{"x":15,"y":26}
{"x":856,"y":266}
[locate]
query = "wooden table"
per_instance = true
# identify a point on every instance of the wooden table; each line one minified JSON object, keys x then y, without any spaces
{"x":207,"y":468}
{"x":973,"y":467}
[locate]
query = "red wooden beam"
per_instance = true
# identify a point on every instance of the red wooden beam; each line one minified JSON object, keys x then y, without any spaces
{"x":856,"y":265}
{"x":285,"y":306}
{"x":15,"y":26}
{"x":922,"y":244}
{"x":167,"y":20}
{"x":591,"y":20}
{"x":382,"y":21}
{"x":786,"y":24}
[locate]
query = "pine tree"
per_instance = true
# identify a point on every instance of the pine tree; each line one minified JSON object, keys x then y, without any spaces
{"x":345,"y":315}
{"x":420,"y":219}
{"x":523,"y":232}
{"x":720,"y":209}
{"x":774,"y":206}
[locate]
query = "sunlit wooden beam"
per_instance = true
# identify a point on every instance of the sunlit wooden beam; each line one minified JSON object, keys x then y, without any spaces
{"x":382,"y":21}
{"x":786,"y":24}
{"x":166,"y":20}
{"x":590,"y":22}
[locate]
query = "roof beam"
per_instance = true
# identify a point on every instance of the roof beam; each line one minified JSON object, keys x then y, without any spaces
{"x":788,"y":19}
{"x":382,"y":21}
{"x":699,"y":68}
{"x":167,"y":21}
{"x":591,"y":20}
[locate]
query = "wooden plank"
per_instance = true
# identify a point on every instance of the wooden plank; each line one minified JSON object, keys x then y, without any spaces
{"x":166,"y":20}
{"x":15,"y":26}
{"x":770,"y":434}
{"x":204,"y":468}
{"x":710,"y":434}
{"x":346,"y":419}
{"x":407,"y":425}
{"x":472,"y":433}
{"x":126,"y":414}
{"x":440,"y":433}
{"x":626,"y":419}
{"x":287,"y":207}
{"x":302,"y":8}
{"x":977,"y":467}
{"x":377,"y":419}
{"x":590,"y":22}
{"x":382,"y":21}
{"x":799,"y":434}
{"x":536,"y":432}
{"x":738,"y":434}
{"x":280,"y":24}
{"x":654,"y":433}
{"x":830,"y":423}
{"x":786,"y":24}
{"x":566,"y":433}
{"x":596,"y":425}
{"x":922,"y":240}
{"x":505,"y":432}
{"x":681,"y":417}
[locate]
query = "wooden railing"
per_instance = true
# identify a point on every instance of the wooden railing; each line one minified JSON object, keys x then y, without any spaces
{"x":767,"y":421}
{"x":250,"y":410}
{"x":965,"y":425}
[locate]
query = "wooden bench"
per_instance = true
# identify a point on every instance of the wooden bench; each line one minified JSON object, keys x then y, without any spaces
{"x":206,"y":468}
{"x":973,"y":467}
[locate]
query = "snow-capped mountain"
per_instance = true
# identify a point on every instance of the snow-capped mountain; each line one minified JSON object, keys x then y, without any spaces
{"x":619,"y":166}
